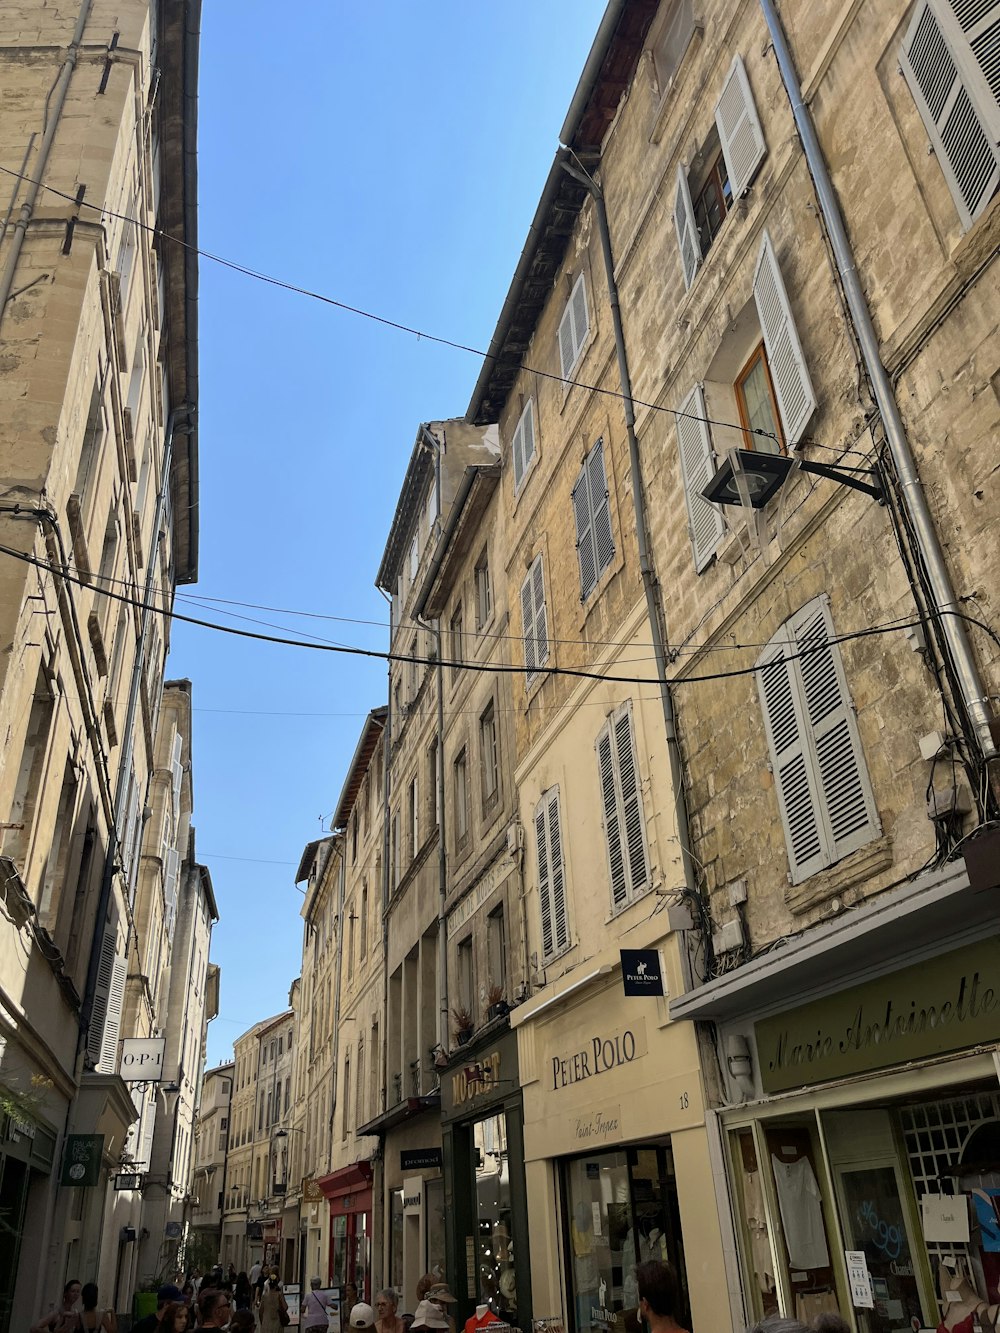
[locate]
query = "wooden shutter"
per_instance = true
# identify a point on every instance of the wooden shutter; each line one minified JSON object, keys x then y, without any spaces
{"x":631,"y":797}
{"x":113,"y":1016}
{"x":847,"y":800}
{"x":600,"y":506}
{"x":584,"y":534}
{"x":541,"y":624}
{"x":528,"y":625}
{"x":792,"y":386}
{"x":523,"y":446}
{"x":148,"y":1130}
{"x":551,"y":882}
{"x":740,"y":134}
{"x":99,"y":1010}
{"x":694,"y":445}
{"x":566,"y":357}
{"x":612,"y":828}
{"x":581,"y":315}
{"x":824,"y":796}
{"x":687,"y":231}
{"x":544,"y":900}
{"x":950,"y":58}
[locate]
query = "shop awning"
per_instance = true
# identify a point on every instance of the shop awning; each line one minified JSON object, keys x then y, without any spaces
{"x":349,"y":1178}
{"x":402,"y":1111}
{"x":920,"y":919}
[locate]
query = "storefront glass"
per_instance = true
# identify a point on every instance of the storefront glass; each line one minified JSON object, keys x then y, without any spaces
{"x":362,"y":1249}
{"x":496,"y":1284}
{"x":621,"y":1209}
{"x":338,"y":1248}
{"x":434,"y":1202}
{"x":395,"y":1266}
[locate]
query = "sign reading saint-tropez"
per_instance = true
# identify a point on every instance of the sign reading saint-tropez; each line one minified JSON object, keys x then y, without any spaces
{"x":642,"y":972}
{"x":142,"y":1059}
{"x":940,"y":1005}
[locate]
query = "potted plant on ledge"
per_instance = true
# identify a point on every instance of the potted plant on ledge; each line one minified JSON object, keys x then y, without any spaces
{"x":464,"y":1026}
{"x":496,"y":1004}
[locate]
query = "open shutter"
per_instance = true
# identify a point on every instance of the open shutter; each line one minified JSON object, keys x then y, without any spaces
{"x":523,"y":445}
{"x":847,"y":800}
{"x":544,"y":899}
{"x":740,"y":134}
{"x":584,"y":534}
{"x":581,"y":315}
{"x":566,"y":357}
{"x":694,"y":445}
{"x":148,"y":1129}
{"x":99,"y":1011}
{"x":541,"y":617}
{"x":635,"y":842}
{"x":600,"y":507}
{"x":560,"y":925}
{"x":792,"y":386}
{"x":790,"y":763}
{"x":113,"y":1016}
{"x":687,"y":231}
{"x":952,"y":66}
{"x":528,"y":625}
{"x":612,"y":829}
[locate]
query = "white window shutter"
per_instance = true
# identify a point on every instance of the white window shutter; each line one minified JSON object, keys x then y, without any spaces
{"x":560,"y":924}
{"x":148,"y":1129}
{"x":528,"y":625}
{"x":687,"y":232}
{"x":584,"y":534}
{"x":527,"y":434}
{"x":740,"y":134}
{"x":113,"y":1016}
{"x":631,"y":796}
{"x":99,"y":1008}
{"x":541,"y":616}
{"x":517,"y":453}
{"x":544,"y":899}
{"x":793,"y":777}
{"x":848,"y":802}
{"x":612,"y":829}
{"x":792,"y":385}
{"x":694,"y":446}
{"x":581,"y":314}
{"x":600,"y":505}
{"x":951,"y":62}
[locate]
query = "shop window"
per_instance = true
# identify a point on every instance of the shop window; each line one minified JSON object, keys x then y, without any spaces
{"x":496,"y":1282}
{"x":621,"y":1210}
{"x":824,"y":794}
{"x":595,"y":543}
{"x":950,"y":58}
{"x":723,"y":169}
{"x":757,"y":377}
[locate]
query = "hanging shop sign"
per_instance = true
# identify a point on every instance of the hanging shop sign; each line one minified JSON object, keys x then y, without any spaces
{"x":142,"y":1059}
{"x":420,"y":1159}
{"x":413,"y":1195}
{"x":128,"y":1180}
{"x":929,"y":1009}
{"x":642,"y":972}
{"x":82,"y":1157}
{"x":603,"y":1053}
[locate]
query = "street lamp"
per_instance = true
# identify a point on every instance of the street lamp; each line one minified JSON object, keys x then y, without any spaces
{"x":753,"y":478}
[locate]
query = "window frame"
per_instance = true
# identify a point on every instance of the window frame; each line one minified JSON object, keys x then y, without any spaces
{"x":489,"y":756}
{"x":460,"y":777}
{"x":456,"y":633}
{"x":759,"y":354}
{"x":484,"y":590}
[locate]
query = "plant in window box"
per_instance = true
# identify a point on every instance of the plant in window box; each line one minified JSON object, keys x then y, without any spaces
{"x":496,"y":1004}
{"x":464,"y":1026}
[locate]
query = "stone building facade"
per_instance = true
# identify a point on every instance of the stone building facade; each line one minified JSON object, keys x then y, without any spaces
{"x":98,"y":478}
{"x":208,"y":1177}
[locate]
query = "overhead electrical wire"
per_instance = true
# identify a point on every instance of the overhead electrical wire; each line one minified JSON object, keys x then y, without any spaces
{"x":484,"y":668}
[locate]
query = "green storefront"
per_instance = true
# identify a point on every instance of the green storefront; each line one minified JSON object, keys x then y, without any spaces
{"x":486,"y":1218}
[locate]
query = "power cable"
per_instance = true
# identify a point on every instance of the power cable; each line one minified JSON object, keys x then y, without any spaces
{"x":500,"y":668}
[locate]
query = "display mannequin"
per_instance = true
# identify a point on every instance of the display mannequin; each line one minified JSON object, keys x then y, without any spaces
{"x":483,"y":1317}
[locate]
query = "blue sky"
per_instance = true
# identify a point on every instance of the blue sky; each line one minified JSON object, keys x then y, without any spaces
{"x":391,"y":156}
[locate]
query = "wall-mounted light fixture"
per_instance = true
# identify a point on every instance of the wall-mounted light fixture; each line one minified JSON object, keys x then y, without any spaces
{"x":749,"y":476}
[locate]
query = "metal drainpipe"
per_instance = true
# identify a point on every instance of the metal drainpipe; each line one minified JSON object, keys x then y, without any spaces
{"x":56,"y":105}
{"x":128,"y":730}
{"x":435,"y":445}
{"x":649,"y":582}
{"x":945,"y":602}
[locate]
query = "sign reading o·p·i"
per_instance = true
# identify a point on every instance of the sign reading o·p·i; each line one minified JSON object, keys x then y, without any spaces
{"x":142,"y":1059}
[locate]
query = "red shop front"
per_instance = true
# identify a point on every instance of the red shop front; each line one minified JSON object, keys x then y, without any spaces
{"x":349,"y":1192}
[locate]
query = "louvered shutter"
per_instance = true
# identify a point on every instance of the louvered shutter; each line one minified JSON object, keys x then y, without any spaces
{"x":99,"y":1008}
{"x":793,"y":779}
{"x":600,"y":508}
{"x":847,"y":801}
{"x":581,"y":315}
{"x":792,"y":386}
{"x":528,"y":625}
{"x":566,"y":357}
{"x":541,"y":617}
{"x":687,"y":231}
{"x":740,"y":134}
{"x":148,"y":1130}
{"x":523,"y":446}
{"x":560,"y":924}
{"x":612,"y":829}
{"x":584,"y":534}
{"x":631,"y":796}
{"x":694,"y":445}
{"x":113,"y":1016}
{"x":950,"y":58}
{"x":544,"y":899}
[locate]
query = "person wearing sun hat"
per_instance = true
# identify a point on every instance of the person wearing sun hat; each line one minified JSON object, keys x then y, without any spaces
{"x":429,"y":1315}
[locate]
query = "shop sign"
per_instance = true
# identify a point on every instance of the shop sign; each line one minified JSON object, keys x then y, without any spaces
{"x":862,"y":1296}
{"x":604,"y":1126}
{"x":128,"y":1180}
{"x":82,"y":1157}
{"x":413,"y":1194}
{"x":420,"y":1159}
{"x":475,"y":1080}
{"x":602,"y":1054}
{"x":311,"y":1192}
{"x":142,"y":1059}
{"x":642,"y":972}
{"x":928,"y":1009}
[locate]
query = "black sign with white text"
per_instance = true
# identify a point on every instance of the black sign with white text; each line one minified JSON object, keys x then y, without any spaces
{"x":419,"y":1159}
{"x":642,"y":972}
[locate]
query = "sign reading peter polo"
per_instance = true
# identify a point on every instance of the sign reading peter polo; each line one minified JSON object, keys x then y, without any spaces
{"x":602,"y":1053}
{"x":928,"y":1009}
{"x":642,"y":972}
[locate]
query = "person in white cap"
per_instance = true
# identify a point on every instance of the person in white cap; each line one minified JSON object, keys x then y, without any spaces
{"x":362,"y":1317}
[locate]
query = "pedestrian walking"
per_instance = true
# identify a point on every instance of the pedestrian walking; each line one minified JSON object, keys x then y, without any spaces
{"x":90,"y":1319}
{"x":272,"y":1312}
{"x":348,"y":1302}
{"x":53,"y":1321}
{"x":242,"y":1292}
{"x":214,"y":1308}
{"x":658,"y":1296}
{"x":176,"y":1318}
{"x":313,"y":1313}
{"x":255,"y":1268}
